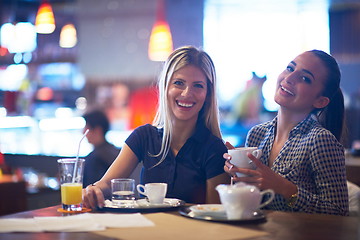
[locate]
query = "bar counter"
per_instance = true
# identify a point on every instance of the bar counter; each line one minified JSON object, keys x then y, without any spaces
{"x":278,"y":225}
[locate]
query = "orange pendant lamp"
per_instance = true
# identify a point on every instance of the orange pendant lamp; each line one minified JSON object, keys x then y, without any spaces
{"x":45,"y":21}
{"x":160,"y":44}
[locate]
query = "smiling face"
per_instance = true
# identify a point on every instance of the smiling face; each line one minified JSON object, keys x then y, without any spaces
{"x":301,"y":84}
{"x":187,"y":93}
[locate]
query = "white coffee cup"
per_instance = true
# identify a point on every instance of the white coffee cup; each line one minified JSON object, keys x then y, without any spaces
{"x":241,"y":200}
{"x":155,"y":192}
{"x":240,"y":159}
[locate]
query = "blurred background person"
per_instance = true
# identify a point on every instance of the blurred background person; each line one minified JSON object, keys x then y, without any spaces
{"x":249,"y":104}
{"x":104,"y":153}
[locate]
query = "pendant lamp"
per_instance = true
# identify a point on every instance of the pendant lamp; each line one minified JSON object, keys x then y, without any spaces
{"x":45,"y":21}
{"x":160,"y":44}
{"x":68,"y":38}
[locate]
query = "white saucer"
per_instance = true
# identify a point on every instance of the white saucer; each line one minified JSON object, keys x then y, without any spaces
{"x":216,"y":212}
{"x":167,"y":202}
{"x":143,"y":203}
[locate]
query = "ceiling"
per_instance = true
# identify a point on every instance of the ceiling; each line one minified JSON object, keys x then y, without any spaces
{"x":25,"y":10}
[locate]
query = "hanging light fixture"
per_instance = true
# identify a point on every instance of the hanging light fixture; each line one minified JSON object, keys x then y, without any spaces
{"x":68,"y":38}
{"x":45,"y":21}
{"x":160,"y":44}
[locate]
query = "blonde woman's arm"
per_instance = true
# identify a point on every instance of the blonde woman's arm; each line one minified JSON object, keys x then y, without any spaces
{"x":122,"y":167}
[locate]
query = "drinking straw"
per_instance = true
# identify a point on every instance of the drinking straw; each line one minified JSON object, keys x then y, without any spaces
{"x":77,"y":155}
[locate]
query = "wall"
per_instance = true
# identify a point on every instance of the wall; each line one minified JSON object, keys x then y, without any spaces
{"x":344,"y":22}
{"x":114,"y":34}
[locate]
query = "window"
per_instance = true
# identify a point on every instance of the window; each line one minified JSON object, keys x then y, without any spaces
{"x":260,"y":36}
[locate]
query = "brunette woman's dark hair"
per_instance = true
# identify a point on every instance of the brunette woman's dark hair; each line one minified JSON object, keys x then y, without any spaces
{"x":332,"y":116}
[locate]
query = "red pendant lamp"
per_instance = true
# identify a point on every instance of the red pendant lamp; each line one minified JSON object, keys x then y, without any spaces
{"x":160,"y":44}
{"x":45,"y":21}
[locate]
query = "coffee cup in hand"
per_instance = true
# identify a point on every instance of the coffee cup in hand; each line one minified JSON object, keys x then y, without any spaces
{"x":239,"y":158}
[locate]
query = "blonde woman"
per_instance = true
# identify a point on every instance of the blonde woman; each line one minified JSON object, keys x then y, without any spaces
{"x":183,"y":146}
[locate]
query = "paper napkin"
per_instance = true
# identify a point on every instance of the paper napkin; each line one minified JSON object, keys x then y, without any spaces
{"x":75,"y":223}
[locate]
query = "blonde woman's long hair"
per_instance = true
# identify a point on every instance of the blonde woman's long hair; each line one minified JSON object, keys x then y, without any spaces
{"x":209,"y":114}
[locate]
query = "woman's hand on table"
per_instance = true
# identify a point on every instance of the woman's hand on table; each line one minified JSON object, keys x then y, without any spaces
{"x":93,"y":197}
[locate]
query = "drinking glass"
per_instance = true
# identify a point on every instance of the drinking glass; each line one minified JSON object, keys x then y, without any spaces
{"x":71,"y":172}
{"x":122,"y":190}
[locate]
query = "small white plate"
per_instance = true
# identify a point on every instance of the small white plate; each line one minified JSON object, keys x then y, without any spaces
{"x":216,"y":213}
{"x":213,"y":210}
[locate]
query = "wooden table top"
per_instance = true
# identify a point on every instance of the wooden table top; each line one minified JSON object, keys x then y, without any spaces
{"x":278,"y":225}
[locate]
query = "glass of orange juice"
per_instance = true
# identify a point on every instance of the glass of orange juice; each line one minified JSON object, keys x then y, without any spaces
{"x":71,"y":171}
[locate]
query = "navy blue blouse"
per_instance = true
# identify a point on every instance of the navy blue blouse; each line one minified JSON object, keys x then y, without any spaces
{"x":200,"y":158}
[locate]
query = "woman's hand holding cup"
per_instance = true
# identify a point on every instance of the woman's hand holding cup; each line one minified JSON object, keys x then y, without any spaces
{"x":242,"y":163}
{"x":238,"y":157}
